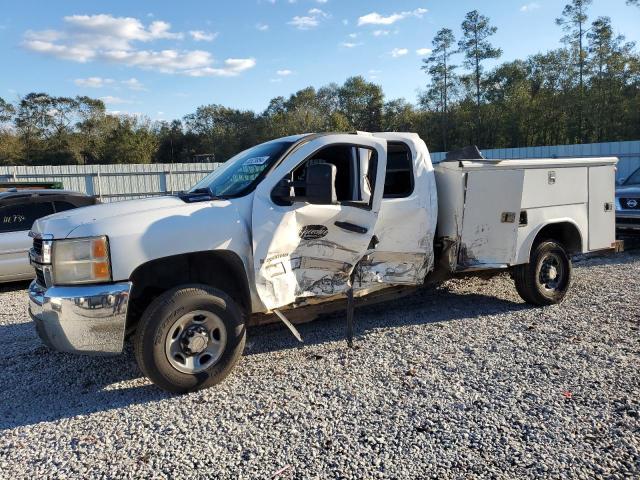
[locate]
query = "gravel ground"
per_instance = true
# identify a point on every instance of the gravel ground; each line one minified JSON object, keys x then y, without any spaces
{"x":462,"y":381}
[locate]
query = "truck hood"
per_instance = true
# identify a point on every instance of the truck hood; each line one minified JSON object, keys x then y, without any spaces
{"x":62,"y":224}
{"x":624,"y":190}
{"x":143,"y":230}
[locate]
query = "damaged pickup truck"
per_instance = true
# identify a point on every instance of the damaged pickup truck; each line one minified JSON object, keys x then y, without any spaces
{"x":300,"y":226}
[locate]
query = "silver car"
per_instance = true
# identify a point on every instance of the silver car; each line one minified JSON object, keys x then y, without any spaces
{"x":18,"y":210}
{"x":628,"y":204}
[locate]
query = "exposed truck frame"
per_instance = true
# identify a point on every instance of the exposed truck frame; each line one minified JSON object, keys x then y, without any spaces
{"x":301,"y":226}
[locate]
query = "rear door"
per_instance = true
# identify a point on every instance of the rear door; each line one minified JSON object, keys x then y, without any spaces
{"x":16,"y":219}
{"x":304,"y":250}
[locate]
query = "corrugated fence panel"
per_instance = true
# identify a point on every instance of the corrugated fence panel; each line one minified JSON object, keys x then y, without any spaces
{"x":628,"y":153}
{"x":127,"y":181}
{"x":114,"y":182}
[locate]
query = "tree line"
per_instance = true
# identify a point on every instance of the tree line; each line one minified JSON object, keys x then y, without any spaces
{"x":588,"y":90}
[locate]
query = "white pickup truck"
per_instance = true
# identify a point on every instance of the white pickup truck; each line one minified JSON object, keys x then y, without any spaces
{"x":303,"y":225}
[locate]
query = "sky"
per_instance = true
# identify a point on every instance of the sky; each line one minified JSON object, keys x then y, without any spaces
{"x":164,"y":59}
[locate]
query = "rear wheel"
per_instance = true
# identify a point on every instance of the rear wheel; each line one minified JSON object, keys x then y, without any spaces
{"x":546,"y":278}
{"x":190,"y":338}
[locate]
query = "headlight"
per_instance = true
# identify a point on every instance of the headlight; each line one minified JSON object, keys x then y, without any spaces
{"x":81,"y":260}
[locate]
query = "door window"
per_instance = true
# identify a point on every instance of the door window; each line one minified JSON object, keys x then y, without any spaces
{"x":20,"y":217}
{"x":63,"y":206}
{"x":398,"y":181}
{"x":355,"y":173}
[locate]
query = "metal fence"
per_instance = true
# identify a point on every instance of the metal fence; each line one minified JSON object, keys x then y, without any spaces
{"x":128,"y":181}
{"x":627,"y":152}
{"x":114,"y":182}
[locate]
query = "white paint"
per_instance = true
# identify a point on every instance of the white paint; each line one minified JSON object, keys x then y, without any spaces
{"x":563,"y":200}
{"x":602,"y":221}
{"x":465,"y":199}
{"x":486,"y":239}
{"x":406,"y":226}
{"x":289,"y":268}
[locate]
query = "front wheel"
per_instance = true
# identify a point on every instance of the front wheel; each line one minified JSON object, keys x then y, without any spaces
{"x":190,"y":338}
{"x":546,"y":278}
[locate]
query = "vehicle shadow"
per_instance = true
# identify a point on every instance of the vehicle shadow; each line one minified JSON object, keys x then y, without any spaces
{"x":42,"y":385}
{"x":429,"y":305}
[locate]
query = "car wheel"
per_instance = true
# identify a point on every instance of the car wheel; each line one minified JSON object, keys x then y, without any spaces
{"x":190,"y":338}
{"x":546,"y":278}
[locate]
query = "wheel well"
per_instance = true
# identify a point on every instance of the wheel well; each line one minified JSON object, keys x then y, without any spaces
{"x":564,"y":232}
{"x":219,"y":269}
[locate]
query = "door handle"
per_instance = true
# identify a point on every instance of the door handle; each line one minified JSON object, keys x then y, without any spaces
{"x":351,"y":227}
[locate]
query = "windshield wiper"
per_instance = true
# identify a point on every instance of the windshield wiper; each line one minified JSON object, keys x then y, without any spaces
{"x":199,"y":195}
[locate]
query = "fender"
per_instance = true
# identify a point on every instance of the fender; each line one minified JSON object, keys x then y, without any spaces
{"x":524,"y":250}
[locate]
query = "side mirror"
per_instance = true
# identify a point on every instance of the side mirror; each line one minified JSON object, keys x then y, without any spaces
{"x":320,"y":184}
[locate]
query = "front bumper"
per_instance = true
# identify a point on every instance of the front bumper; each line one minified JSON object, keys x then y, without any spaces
{"x":628,"y":221}
{"x":81,"y":319}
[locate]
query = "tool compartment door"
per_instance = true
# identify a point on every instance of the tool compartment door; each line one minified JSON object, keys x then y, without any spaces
{"x":490,"y":218}
{"x":602,"y":215}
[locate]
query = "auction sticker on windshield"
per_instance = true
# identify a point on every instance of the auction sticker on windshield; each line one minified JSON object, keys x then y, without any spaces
{"x":256,"y":160}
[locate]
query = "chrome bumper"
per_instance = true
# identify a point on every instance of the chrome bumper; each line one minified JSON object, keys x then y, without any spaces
{"x":81,"y":319}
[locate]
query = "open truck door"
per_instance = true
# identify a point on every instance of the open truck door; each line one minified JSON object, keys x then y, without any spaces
{"x":314,"y":217}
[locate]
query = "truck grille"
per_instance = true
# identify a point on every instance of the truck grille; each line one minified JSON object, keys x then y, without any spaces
{"x":37,"y":246}
{"x":630,"y":203}
{"x":628,"y":221}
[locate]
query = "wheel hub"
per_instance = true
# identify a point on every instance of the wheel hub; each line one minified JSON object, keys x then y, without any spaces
{"x":194,"y":340}
{"x":550,"y":273}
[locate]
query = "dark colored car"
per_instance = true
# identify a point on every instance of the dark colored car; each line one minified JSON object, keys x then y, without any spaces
{"x":18,"y":210}
{"x":628,"y":204}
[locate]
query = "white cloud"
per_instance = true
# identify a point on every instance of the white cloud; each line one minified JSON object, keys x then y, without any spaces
{"x":381,"y":33}
{"x":86,"y":38}
{"x":114,"y":100}
{"x":350,"y":44}
{"x":375,"y":18}
{"x":284,"y":73}
{"x":107,"y":31}
{"x":263,"y":27}
{"x":93,"y":82}
{"x":423,"y":51}
{"x":399,"y":52}
{"x":133,"y":84}
{"x":353,"y":35}
{"x":202,"y":36}
{"x":309,"y":21}
{"x":529,"y":7}
{"x":232,"y":67}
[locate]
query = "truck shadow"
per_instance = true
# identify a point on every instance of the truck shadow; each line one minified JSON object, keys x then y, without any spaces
{"x":41,"y":385}
{"x":425,"y":306}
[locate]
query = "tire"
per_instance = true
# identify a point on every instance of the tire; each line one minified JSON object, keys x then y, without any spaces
{"x":545,"y":280}
{"x":169,"y":340}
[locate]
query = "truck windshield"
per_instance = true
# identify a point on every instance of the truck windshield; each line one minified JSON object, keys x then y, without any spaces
{"x":634,"y":178}
{"x":240,"y":171}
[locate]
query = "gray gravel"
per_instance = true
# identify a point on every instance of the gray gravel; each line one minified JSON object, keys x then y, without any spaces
{"x":463,"y":381}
